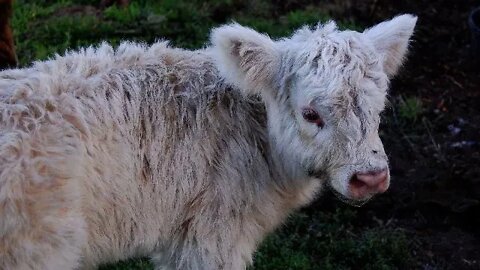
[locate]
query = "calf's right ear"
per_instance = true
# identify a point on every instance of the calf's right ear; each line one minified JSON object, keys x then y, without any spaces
{"x":245,"y":58}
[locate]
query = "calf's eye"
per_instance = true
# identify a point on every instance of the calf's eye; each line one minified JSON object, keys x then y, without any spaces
{"x":312,"y":116}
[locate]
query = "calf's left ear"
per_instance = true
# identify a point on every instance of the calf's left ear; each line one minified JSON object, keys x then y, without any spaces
{"x":245,"y":58}
{"x":391,"y":39}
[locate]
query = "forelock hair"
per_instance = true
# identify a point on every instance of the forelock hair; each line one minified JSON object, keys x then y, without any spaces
{"x":334,"y":60}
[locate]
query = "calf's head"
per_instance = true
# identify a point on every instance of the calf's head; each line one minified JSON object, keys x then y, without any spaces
{"x":324,"y":90}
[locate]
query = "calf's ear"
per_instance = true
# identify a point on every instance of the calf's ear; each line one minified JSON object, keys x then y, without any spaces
{"x":245,"y":58}
{"x":391,"y":39}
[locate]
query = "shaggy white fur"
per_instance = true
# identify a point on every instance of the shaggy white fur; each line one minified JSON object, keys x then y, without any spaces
{"x":154,"y":151}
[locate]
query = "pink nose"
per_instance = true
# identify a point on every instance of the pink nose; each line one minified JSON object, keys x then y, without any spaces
{"x":363,"y":185}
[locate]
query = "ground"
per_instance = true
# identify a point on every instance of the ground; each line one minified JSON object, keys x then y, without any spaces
{"x":429,"y":219}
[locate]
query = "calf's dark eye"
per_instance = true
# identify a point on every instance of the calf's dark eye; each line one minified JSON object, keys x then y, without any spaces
{"x":312,"y":116}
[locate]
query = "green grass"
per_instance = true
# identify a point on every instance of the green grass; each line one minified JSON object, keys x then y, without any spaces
{"x":137,"y":264}
{"x":323,"y":240}
{"x":329,"y":240}
{"x":410,"y":108}
{"x":43,"y":28}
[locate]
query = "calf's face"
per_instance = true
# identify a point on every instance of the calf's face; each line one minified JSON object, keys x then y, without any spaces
{"x":324,"y":90}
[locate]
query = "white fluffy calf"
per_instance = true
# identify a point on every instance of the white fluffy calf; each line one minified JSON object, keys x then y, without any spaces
{"x":168,"y":153}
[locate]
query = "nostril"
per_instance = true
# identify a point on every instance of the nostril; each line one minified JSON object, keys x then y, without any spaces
{"x":356,"y":183}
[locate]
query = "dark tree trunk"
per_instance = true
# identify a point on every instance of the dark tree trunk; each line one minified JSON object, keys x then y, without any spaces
{"x":7,"y":47}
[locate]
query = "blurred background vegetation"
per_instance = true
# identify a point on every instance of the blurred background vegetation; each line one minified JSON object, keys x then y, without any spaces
{"x":43,"y":28}
{"x":388,"y":233}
